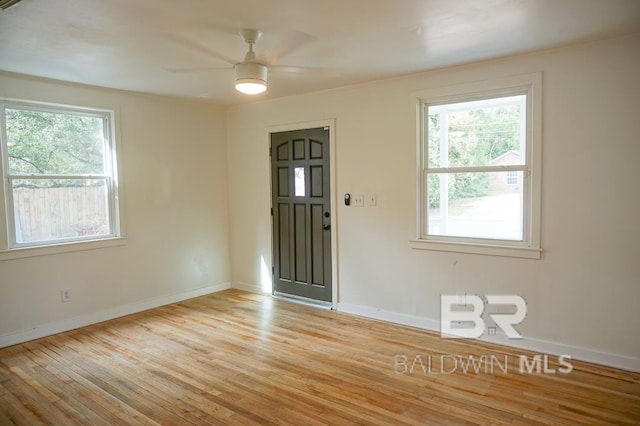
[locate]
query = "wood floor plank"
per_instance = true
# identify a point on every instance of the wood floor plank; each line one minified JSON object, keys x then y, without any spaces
{"x":118,"y":408}
{"x":241,"y":358}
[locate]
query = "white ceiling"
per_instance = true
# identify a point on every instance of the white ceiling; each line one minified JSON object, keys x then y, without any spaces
{"x":139,"y":44}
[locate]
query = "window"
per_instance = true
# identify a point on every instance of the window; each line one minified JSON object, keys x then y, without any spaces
{"x":479,"y":168}
{"x":60,"y":182}
{"x":299,"y":182}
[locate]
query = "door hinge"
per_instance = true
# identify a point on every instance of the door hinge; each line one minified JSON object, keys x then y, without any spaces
{"x":270,"y":151}
{"x":273,"y":270}
{"x":271,"y":211}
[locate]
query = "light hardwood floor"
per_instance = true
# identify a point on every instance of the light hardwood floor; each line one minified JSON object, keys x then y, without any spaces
{"x":242,"y":358}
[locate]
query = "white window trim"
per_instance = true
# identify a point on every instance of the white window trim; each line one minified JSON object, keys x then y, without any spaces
{"x":44,"y":250}
{"x":530,"y":248}
{"x":9,"y":250}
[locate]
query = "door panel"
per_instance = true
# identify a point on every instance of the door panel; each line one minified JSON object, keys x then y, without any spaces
{"x":300,"y":232}
{"x":317,"y":250}
{"x":302,"y":213}
{"x":284,"y":245}
{"x":283,"y":182}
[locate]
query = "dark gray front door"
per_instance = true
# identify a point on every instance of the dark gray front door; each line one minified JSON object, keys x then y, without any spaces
{"x":301,"y":213}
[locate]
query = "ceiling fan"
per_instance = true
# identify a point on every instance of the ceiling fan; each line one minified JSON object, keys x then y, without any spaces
{"x":251,"y":73}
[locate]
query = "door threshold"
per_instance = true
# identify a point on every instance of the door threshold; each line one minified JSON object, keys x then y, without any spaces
{"x":302,"y":300}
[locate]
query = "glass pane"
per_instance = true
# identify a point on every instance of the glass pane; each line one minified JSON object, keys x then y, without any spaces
{"x":488,"y":132}
{"x":54,"y":143}
{"x":476,"y":205}
{"x":55,"y":209}
{"x":433,"y":138}
{"x":299,"y":182}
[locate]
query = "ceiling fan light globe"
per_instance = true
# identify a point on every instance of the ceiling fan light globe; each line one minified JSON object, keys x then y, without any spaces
{"x":251,"y":78}
{"x":250,"y":86}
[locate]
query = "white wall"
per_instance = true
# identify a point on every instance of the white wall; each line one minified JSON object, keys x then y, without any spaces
{"x":174,"y":163}
{"x":584,"y":292}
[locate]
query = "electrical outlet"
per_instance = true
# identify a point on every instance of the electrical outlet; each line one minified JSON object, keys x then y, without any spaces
{"x":65,"y":295}
{"x":358,"y":201}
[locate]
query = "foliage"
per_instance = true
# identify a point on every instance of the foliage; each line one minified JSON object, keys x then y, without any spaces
{"x":475,"y":138}
{"x":54,"y":143}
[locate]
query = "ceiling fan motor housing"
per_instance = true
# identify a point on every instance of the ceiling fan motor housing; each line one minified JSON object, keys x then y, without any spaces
{"x":251,"y":71}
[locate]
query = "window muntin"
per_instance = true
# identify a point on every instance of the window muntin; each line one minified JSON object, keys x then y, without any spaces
{"x":59,"y":170}
{"x":469,"y":146}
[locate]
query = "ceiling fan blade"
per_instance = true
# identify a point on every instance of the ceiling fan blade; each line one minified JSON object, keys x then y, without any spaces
{"x":196,"y":69}
{"x":292,"y":42}
{"x":199,"y":48}
{"x":302,"y":70}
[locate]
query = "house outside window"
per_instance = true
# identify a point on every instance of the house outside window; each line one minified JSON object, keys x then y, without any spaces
{"x":479,"y":167}
{"x":59,"y":170}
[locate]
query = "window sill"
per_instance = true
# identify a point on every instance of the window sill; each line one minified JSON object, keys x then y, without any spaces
{"x":19,"y":253}
{"x":482,"y":249}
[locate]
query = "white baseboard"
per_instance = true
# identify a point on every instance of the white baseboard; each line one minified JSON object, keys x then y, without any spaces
{"x":60,"y":326}
{"x":251,"y":288}
{"x":532,"y":344}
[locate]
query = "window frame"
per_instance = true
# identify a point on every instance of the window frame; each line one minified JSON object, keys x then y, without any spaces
{"x":531,"y":86}
{"x":9,"y":247}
